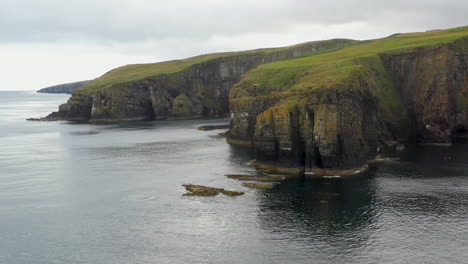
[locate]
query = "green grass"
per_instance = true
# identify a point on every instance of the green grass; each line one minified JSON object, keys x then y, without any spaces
{"x":346,"y":67}
{"x":136,"y":72}
{"x":329,"y":69}
{"x":292,"y":80}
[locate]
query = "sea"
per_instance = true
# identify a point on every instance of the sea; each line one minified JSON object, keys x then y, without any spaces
{"x":112,"y":193}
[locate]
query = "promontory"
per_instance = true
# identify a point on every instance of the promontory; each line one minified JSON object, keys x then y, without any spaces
{"x":331,"y":104}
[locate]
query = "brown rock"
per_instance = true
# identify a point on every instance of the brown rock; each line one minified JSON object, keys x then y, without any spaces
{"x":200,"y":190}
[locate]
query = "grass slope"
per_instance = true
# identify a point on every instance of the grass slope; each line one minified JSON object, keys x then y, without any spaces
{"x":136,"y":72}
{"x":329,"y":68}
{"x":297,"y":77}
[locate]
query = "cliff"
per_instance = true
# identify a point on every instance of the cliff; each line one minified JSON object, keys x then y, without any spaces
{"x":63,"y":88}
{"x":194,"y":87}
{"x":337,"y":110}
{"x":319,"y":105}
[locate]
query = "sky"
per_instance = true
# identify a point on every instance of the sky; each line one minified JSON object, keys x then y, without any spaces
{"x":49,"y":42}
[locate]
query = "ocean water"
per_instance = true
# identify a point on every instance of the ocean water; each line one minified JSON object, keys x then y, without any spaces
{"x":111,"y":194}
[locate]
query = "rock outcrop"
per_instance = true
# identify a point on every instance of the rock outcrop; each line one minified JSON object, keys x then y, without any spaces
{"x":200,"y":190}
{"x":67,"y":88}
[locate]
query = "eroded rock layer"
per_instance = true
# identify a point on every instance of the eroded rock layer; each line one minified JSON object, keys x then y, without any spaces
{"x":433,"y":84}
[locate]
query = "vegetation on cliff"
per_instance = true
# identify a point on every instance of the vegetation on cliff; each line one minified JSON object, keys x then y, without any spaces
{"x":297,"y":77}
{"x":148,"y":91}
{"x":182,"y":106}
{"x":339,"y":109}
{"x":324,"y":104}
{"x":138,"y":72}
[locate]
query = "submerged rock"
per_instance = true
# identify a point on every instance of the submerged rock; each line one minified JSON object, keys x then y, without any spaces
{"x":382,"y":158}
{"x":36,"y":119}
{"x":214,"y":127}
{"x":256,"y":178}
{"x":200,"y":190}
{"x":259,"y":185}
{"x":330,"y":173}
{"x":276,"y":169}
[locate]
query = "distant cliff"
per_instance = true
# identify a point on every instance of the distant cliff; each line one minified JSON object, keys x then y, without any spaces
{"x":319,"y":105}
{"x":194,"y":87}
{"x":63,"y":88}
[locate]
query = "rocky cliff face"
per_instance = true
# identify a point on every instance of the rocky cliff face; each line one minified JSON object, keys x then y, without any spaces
{"x":335,"y":128}
{"x":323,"y":134}
{"x":433,"y":83}
{"x":345,"y":125}
{"x":204,"y":88}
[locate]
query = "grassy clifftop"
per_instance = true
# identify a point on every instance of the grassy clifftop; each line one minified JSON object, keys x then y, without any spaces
{"x":137,"y":72}
{"x":297,"y":77}
{"x":340,"y":108}
{"x":329,"y":68}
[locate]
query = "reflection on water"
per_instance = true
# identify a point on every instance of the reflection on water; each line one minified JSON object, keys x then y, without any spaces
{"x":330,"y":205}
{"x":81,"y":193}
{"x":328,"y":216}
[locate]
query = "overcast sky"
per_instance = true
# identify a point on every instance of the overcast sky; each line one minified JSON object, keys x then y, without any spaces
{"x":48,"y":42}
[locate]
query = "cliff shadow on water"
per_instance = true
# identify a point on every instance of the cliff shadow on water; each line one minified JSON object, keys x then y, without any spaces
{"x":412,"y":200}
{"x":310,"y":208}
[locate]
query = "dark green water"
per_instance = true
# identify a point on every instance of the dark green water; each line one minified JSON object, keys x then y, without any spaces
{"x":111,"y":194}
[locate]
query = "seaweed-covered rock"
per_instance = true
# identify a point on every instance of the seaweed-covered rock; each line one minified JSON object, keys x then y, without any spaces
{"x":213,"y":127}
{"x":263,"y":178}
{"x":257,"y":185}
{"x":181,"y":106}
{"x":200,"y":190}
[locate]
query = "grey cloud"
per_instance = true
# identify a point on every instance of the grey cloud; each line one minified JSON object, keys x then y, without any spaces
{"x":107,"y":21}
{"x":59,"y":41}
